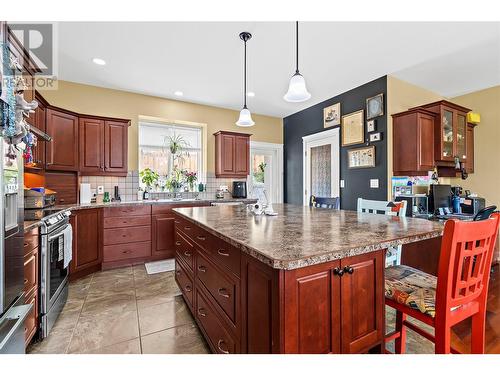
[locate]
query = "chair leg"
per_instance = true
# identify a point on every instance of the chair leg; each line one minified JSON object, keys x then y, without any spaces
{"x":400,"y":342}
{"x":478,"y":328}
{"x":442,"y":343}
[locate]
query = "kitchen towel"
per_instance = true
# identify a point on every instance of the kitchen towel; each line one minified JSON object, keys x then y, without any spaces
{"x":68,"y":243}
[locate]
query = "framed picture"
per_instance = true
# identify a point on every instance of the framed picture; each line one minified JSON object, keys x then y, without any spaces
{"x":331,"y":115}
{"x":353,"y":129}
{"x":375,"y":106}
{"x":363,"y":157}
{"x":370,"y":126}
{"x":375,"y":137}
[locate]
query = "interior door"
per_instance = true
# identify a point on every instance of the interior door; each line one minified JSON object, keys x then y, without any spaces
{"x":266,"y":171}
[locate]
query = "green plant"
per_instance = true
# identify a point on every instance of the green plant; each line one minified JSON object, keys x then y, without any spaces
{"x":176,"y":144}
{"x":174,"y":182}
{"x":148,"y":177}
{"x":259,"y":175}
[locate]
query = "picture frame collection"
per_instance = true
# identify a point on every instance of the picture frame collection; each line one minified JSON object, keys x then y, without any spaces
{"x":353,"y":130}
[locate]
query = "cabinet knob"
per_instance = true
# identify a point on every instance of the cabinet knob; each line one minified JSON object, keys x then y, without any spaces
{"x":338,"y":271}
{"x":349,"y":270}
{"x":178,"y":243}
{"x":201,"y":312}
{"x":187,"y":253}
{"x":202,"y":268}
{"x":223,"y":292}
{"x":187,"y":228}
{"x":201,"y":238}
{"x":188,"y":288}
{"x":219,"y":346}
{"x":222,"y":252}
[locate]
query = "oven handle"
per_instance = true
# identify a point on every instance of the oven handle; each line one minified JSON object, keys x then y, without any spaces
{"x":58,"y":233}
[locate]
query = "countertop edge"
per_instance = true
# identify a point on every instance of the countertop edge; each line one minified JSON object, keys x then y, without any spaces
{"x":314,"y":259}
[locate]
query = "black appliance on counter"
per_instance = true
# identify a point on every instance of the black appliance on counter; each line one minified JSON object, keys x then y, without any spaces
{"x":472,"y":205}
{"x":239,"y":189}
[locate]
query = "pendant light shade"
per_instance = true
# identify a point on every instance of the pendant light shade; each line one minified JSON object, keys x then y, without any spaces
{"x":297,"y":90}
{"x":245,"y":119}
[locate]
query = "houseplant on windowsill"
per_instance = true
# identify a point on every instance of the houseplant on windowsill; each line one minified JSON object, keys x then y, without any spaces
{"x":191,"y":179}
{"x":148,"y":178}
{"x":174,"y":182}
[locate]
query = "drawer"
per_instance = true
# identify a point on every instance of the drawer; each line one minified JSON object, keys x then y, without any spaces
{"x":123,"y":222}
{"x":136,"y":210}
{"x":158,"y":209}
{"x":185,"y":283}
{"x":31,"y":322}
{"x":127,"y":235}
{"x":112,"y":253}
{"x":30,"y":240}
{"x":221,"y":287}
{"x":225,"y":255}
{"x":184,"y":250}
{"x":30,"y":272}
{"x":193,"y":232}
{"x":221,"y":340}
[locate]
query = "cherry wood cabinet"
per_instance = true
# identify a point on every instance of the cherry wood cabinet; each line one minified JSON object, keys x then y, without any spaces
{"x":413,"y":142}
{"x":65,"y":184}
{"x":116,"y":146}
{"x":232,"y":154}
{"x":31,"y":283}
{"x":87,"y":242}
{"x":163,"y":235}
{"x":62,"y":151}
{"x":91,"y":134}
{"x":333,"y":307}
{"x":469,"y":163}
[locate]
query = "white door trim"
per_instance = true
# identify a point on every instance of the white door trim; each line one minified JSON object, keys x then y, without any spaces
{"x":332,"y":137}
{"x":277,"y":149}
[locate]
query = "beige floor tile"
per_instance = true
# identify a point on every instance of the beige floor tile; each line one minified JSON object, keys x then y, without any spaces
{"x":127,"y":347}
{"x":166,"y":315}
{"x":104,"y":329}
{"x":112,"y":286}
{"x":103,"y":302}
{"x":110,"y":275}
{"x":78,"y":291}
{"x":56,"y":343}
{"x":84,"y":280}
{"x":154,"y":291}
{"x":184,"y":339}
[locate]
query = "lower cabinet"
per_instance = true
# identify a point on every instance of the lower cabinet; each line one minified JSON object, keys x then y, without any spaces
{"x":163,"y":235}
{"x":87,"y":242}
{"x":334,"y":307}
{"x":31,"y":284}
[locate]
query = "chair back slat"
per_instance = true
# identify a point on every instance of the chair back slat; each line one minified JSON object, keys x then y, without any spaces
{"x":325,"y":202}
{"x":465,"y":260}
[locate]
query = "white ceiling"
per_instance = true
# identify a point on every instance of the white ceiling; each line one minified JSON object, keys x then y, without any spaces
{"x":204,"y":60}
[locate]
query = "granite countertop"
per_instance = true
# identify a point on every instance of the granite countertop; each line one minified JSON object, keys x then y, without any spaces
{"x":30,"y":224}
{"x":301,"y":236}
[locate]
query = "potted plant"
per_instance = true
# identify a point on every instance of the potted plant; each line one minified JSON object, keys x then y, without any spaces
{"x":174,"y":182}
{"x":191,"y":179}
{"x":148,"y":178}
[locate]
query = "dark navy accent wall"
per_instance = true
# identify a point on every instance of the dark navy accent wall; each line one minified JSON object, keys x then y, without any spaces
{"x":310,"y":121}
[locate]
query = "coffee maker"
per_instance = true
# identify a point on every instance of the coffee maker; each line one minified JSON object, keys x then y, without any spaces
{"x":239,"y":189}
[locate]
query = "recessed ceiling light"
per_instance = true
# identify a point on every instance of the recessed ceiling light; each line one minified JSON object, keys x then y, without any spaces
{"x":98,"y":61}
{"x":178,"y":93}
{"x":250,"y":94}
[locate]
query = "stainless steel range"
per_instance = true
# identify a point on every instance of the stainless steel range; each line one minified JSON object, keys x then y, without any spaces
{"x":55,"y":238}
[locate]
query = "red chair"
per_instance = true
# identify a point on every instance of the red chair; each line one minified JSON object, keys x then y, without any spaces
{"x":459,"y":291}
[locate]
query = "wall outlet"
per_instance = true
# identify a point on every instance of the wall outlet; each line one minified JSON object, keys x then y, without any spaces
{"x":100,"y":189}
{"x":374,"y":183}
{"x":224,"y":188}
{"x":342,"y":183}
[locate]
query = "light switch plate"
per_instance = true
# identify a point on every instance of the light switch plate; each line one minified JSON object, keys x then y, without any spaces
{"x":374,"y":183}
{"x":342,"y":183}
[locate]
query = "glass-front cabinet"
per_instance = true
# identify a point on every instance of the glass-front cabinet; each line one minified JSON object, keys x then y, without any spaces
{"x":450,"y":139}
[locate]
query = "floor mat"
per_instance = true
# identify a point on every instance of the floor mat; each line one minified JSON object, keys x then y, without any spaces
{"x":160,"y":266}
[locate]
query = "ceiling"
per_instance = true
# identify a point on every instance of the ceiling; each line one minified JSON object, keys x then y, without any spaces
{"x":204,"y":60}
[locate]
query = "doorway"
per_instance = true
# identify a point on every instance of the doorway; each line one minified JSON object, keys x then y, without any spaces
{"x":266,"y":169}
{"x":321,"y":165}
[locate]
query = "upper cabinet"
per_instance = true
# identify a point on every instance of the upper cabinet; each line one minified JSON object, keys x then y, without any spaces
{"x":450,"y":132}
{"x":232,"y":154}
{"x":116,"y":146}
{"x":432,"y":135}
{"x":62,"y":152}
{"x":91,"y":132}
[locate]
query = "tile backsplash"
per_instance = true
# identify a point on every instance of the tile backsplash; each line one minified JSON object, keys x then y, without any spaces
{"x":128,"y":186}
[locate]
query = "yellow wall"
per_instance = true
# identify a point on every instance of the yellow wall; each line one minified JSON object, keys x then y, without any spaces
{"x":114,"y":103}
{"x":402,"y":95}
{"x":485,"y":181}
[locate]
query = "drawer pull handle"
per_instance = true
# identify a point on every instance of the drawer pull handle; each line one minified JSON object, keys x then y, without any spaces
{"x":187,"y":253}
{"x":202,"y":268}
{"x":124,"y":235}
{"x":178,"y":243}
{"x":201,"y":312}
{"x":25,"y":281}
{"x":26,"y":244}
{"x":177,"y":272}
{"x":223,"y":292}
{"x":126,"y":251}
{"x":188,"y":288}
{"x":219,"y":346}
{"x":222,"y":252}
{"x":201,"y":238}
{"x":187,"y":228}
{"x":177,"y":222}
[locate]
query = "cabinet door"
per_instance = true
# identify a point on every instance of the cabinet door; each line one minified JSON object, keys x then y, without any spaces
{"x":425,"y":143}
{"x":38,"y":151}
{"x":461,"y":136}
{"x":447,"y":135}
{"x":227,"y":154}
{"x":91,"y":134}
{"x":62,"y":152}
{"x":362,"y":302}
{"x":312,"y":310}
{"x":163,"y":233}
{"x":87,"y":246}
{"x":469,"y":162}
{"x":241,"y":155}
{"x":115,"y":146}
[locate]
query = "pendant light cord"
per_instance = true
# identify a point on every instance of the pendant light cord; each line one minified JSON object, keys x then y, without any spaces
{"x":297,"y":47}
{"x":245,"y":78}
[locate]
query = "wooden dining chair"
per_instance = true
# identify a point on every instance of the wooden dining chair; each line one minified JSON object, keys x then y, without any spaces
{"x":458,"y":292}
{"x":393,"y":254}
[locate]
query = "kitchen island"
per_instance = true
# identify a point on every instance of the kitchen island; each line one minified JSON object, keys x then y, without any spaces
{"x":306,"y":281}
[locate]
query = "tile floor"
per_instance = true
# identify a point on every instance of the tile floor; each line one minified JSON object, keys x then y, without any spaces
{"x":124,"y":311}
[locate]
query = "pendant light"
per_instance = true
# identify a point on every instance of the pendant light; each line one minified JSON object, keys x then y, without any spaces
{"x":297,"y":90}
{"x":245,"y":119}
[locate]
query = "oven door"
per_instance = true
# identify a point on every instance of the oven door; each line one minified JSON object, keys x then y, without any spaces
{"x":54,"y":276}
